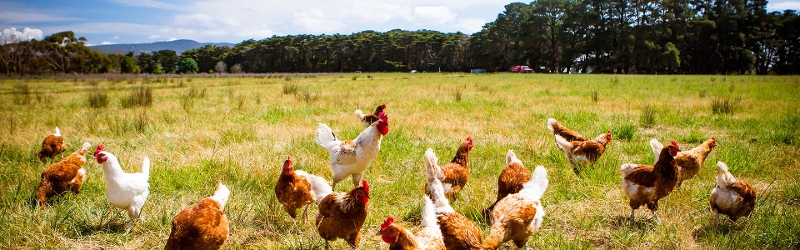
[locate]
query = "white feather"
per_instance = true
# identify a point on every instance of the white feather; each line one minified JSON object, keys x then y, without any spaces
{"x":319,"y":186}
{"x":221,"y":195}
{"x":656,"y":146}
{"x":127,"y":191}
{"x":360,"y":114}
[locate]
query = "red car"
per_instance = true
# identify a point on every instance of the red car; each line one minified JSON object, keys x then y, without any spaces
{"x":521,"y":69}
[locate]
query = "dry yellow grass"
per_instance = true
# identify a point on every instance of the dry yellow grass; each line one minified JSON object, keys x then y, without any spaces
{"x":240,"y":130}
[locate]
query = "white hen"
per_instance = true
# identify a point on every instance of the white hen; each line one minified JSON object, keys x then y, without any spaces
{"x":352,"y":157}
{"x":127,"y":191}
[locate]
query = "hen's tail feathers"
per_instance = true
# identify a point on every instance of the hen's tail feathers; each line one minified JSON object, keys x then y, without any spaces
{"x":58,"y":132}
{"x":566,"y":145}
{"x":512,"y":157}
{"x":319,"y":186}
{"x":551,"y":123}
{"x":534,"y":188}
{"x":221,"y":195}
{"x":432,"y":169}
{"x":428,"y":213}
{"x":656,"y":147}
{"x":627,"y":168}
{"x":146,"y":167}
{"x":724,"y":177}
{"x":84,"y":148}
{"x":325,"y":136}
{"x":360,"y":114}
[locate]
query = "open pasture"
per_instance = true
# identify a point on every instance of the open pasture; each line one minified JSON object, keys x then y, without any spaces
{"x":238,"y":131}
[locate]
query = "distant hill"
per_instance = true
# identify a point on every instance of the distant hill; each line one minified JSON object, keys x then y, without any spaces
{"x":179,"y":46}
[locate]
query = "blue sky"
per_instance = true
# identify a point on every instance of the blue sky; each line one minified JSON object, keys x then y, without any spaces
{"x":139,"y":21}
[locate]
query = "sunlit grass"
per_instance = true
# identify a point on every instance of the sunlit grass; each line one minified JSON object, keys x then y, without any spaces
{"x":201,"y":131}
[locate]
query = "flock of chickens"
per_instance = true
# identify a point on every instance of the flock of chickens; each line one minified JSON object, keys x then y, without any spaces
{"x":514,"y":216}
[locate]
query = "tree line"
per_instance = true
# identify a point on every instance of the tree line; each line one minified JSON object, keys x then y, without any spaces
{"x":555,"y":36}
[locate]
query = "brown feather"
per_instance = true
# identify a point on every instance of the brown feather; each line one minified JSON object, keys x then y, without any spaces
{"x":61,"y":177}
{"x":293,"y":192}
{"x":341,"y":215}
{"x":51,"y":146}
{"x":201,"y":226}
{"x":459,"y":232}
{"x":567,"y":133}
{"x":663,"y":176}
{"x":510,"y":182}
{"x":456,"y":172}
{"x":512,"y":219}
{"x":691,"y":161}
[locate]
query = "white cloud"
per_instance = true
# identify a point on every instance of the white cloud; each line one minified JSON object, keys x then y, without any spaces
{"x":172,"y":39}
{"x":106,"y":43}
{"x":244,"y":19}
{"x":780,"y":6}
{"x":116,"y":37}
{"x":154,"y":37}
{"x":469,"y":25}
{"x":432,"y":15}
{"x":314,"y":21}
{"x":12,"y":35}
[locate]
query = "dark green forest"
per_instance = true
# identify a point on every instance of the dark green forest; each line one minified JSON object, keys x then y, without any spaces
{"x":552,"y":36}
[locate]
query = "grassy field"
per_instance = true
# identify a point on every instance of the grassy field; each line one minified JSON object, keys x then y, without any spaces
{"x":238,"y":131}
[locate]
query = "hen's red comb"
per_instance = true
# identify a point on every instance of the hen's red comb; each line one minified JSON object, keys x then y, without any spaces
{"x":469,"y":139}
{"x":387,"y":222}
{"x":675,"y":144}
{"x":383,"y":117}
{"x":383,"y":105}
{"x":365,"y":185}
{"x":288,"y":161}
{"x":99,"y":148}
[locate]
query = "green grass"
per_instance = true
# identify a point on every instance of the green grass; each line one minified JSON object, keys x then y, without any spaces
{"x":201,"y":131}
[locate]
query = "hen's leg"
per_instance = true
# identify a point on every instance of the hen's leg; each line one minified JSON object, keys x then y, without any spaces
{"x":716,"y":219}
{"x":631,"y":218}
{"x":305,"y":214}
{"x":357,"y":179}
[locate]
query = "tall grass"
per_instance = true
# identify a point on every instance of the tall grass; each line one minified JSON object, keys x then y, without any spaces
{"x":138,"y":97}
{"x":97,"y":98}
{"x":214,"y":140}
{"x":648,"y":116}
{"x":724,"y":106}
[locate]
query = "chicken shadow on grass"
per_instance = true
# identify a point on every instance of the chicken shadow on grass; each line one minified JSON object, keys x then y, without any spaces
{"x":621,"y":221}
{"x":117,"y":225}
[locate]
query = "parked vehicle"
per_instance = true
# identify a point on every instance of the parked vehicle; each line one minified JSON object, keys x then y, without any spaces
{"x":521,"y":69}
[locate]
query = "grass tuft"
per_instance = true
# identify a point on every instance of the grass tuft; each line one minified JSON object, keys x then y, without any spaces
{"x":290,"y":88}
{"x":97,"y":98}
{"x":22,"y":94}
{"x":625,"y":132}
{"x":138,"y":97}
{"x":648,"y":116}
{"x":724,"y":106}
{"x":595,"y":96}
